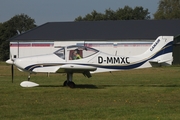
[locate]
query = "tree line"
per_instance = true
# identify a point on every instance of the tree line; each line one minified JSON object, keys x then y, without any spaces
{"x":167,"y":9}
{"x":126,"y":13}
{"x":17,"y":24}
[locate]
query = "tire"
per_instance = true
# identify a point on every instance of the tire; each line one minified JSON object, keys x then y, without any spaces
{"x":65,"y":83}
{"x":71,"y":84}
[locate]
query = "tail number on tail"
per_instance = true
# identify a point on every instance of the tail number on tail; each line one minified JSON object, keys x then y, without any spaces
{"x":155,"y":44}
{"x":114,"y":60}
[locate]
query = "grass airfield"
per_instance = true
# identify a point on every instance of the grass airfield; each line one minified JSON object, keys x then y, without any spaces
{"x":143,"y":94}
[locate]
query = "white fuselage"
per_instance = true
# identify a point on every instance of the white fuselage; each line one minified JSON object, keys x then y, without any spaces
{"x":95,"y":61}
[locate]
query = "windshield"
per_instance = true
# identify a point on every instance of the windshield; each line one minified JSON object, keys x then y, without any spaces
{"x":60,"y":53}
{"x":80,"y":52}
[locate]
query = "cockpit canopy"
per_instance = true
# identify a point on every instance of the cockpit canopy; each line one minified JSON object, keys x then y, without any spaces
{"x":76,"y":52}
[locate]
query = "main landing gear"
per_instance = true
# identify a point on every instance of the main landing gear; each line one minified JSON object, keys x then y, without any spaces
{"x":69,"y":81}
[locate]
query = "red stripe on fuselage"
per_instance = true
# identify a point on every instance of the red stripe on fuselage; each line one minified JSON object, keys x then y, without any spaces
{"x":31,"y":45}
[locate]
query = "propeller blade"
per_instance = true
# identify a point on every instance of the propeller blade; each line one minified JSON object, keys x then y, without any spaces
{"x":12,"y":67}
{"x":12,"y":72}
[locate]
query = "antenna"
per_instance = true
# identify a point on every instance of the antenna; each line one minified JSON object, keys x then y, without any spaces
{"x":116,"y":53}
{"x":18,"y":42}
{"x":18,"y":32}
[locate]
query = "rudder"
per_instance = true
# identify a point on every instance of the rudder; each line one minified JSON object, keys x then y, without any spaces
{"x":161,"y":50}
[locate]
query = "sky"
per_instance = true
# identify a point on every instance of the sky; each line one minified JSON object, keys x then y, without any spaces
{"x":43,"y":11}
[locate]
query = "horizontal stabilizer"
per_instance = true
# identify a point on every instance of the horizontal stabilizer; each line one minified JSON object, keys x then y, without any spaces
{"x":154,"y":61}
{"x":159,"y":61}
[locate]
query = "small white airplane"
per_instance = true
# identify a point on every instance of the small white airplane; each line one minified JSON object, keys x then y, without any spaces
{"x":85,"y":60}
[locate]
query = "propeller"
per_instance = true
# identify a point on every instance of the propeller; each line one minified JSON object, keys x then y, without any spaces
{"x":12,"y":69}
{"x":11,"y":62}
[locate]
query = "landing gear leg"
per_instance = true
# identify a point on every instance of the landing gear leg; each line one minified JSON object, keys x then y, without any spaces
{"x":29,"y":76}
{"x":69,"y":81}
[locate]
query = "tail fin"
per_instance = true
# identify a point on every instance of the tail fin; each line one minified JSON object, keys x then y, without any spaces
{"x":160,"y":52}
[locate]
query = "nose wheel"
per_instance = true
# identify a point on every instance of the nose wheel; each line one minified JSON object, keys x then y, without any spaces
{"x":29,"y":76}
{"x":69,"y":81}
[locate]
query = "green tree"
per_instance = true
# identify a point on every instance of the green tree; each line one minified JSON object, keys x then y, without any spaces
{"x":168,"y":9}
{"x":6,"y":32}
{"x":9,"y":29}
{"x":126,"y":13}
{"x":110,"y":15}
{"x":93,"y":16}
{"x":140,"y":14}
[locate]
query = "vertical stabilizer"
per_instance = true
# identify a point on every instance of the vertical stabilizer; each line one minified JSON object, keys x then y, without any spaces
{"x":161,"y":50}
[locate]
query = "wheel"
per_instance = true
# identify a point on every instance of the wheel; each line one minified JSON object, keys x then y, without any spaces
{"x":65,"y":83}
{"x":71,"y":84}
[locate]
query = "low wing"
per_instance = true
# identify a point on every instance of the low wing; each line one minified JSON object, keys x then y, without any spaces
{"x":76,"y":69}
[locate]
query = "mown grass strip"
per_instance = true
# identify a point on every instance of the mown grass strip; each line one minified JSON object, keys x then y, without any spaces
{"x":136,"y":94}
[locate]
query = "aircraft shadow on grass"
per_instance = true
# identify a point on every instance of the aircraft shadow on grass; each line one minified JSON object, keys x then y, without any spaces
{"x":153,"y":85}
{"x":82,"y":86}
{"x":90,"y":86}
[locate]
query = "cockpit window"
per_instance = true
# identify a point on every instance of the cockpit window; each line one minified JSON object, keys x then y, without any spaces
{"x":60,"y":53}
{"x":80,"y":52}
{"x":76,"y":52}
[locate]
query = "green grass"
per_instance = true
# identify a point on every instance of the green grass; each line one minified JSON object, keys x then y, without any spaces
{"x":143,"y":94}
